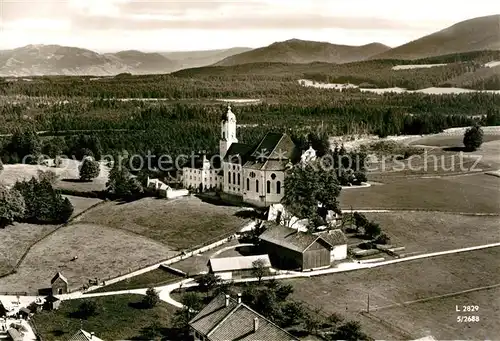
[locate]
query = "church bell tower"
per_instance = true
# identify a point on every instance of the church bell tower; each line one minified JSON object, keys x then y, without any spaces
{"x":228,"y":132}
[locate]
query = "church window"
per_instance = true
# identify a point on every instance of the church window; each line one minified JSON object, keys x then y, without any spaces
{"x":238,"y":179}
{"x":248,"y":184}
{"x":268,"y":186}
{"x":257,"y":186}
{"x":252,"y":174}
{"x":273,"y":176}
{"x":234,"y":178}
{"x":223,"y":135}
{"x":229,"y":177}
{"x":278,"y":187}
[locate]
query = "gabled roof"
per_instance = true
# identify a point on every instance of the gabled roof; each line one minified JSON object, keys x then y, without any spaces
{"x":288,"y":238}
{"x":273,"y":152}
{"x":237,"y":323}
{"x":82,"y":335}
{"x":58,"y":275}
{"x":212,"y":314}
{"x":51,"y":298}
{"x":238,"y":153}
{"x":334,"y":237}
{"x":237,"y":263}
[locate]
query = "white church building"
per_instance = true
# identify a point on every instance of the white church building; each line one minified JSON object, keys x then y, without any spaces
{"x":249,"y":174}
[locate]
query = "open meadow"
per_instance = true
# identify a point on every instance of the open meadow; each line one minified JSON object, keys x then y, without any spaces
{"x":478,"y":193}
{"x":119,"y":318}
{"x":180,"y":224}
{"x":424,"y":232}
{"x":102,"y":252}
{"x":347,"y":293}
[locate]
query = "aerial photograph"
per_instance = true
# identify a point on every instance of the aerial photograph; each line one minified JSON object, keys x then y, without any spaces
{"x":258,"y":170}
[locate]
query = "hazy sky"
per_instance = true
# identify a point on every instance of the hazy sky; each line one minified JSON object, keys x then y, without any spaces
{"x":164,"y":25}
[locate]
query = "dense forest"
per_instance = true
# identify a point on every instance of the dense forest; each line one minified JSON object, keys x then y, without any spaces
{"x":184,"y":116}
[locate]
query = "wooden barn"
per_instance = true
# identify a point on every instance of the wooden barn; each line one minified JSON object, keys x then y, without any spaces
{"x":291,"y":249}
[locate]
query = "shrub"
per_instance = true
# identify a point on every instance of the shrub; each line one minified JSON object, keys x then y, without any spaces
{"x":383,"y":239}
{"x":12,"y":206}
{"x":372,"y":229}
{"x":87,"y":309}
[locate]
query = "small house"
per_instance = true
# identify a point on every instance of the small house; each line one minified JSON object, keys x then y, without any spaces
{"x":24,"y":313}
{"x":236,"y":267}
{"x":226,"y":318}
{"x":59,"y":284}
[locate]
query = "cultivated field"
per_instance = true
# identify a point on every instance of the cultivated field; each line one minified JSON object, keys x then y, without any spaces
{"x":347,"y":292}
{"x":180,"y":224}
{"x":102,"y":252}
{"x":479,"y":193}
{"x":436,"y":231}
{"x":120,"y":318}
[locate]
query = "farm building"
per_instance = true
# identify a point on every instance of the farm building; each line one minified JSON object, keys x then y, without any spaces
{"x":165,"y":191}
{"x":338,"y":241}
{"x":236,"y":267}
{"x":226,"y":318}
{"x":291,"y":249}
{"x":51,"y":303}
{"x":59,"y":284}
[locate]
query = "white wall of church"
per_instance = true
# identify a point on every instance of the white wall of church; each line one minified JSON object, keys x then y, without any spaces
{"x":233,"y":178}
{"x":256,"y":189}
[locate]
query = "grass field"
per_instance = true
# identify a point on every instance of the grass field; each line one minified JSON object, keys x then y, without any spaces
{"x":455,"y":140}
{"x":198,"y":263}
{"x":180,"y":224}
{"x":439,"y":317}
{"x":81,"y":204}
{"x":154,"y":278}
{"x":347,"y":292}
{"x":15,"y":239}
{"x":102,"y":252}
{"x":436,"y":231}
{"x":471,"y":193}
{"x":120,"y":318}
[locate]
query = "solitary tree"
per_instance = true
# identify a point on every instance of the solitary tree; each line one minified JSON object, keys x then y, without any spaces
{"x":12,"y":206}
{"x":208,"y":281}
{"x":89,"y":169}
{"x":473,"y":138}
{"x":311,"y":191}
{"x":122,"y":184}
{"x":151,"y":299}
{"x":259,"y":269}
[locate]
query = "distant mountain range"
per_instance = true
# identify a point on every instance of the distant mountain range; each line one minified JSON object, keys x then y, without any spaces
{"x":35,"y":60}
{"x":297,"y":51}
{"x":471,"y":35}
{"x":476,"y":34}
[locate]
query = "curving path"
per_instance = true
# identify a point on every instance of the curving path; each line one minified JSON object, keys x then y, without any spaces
{"x":164,"y":291}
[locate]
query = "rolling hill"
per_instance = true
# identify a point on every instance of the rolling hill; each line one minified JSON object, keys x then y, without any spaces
{"x":476,"y":34}
{"x":297,"y":51}
{"x":32,"y":60}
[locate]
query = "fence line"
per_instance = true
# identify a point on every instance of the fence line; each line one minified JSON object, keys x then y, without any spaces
{"x":174,"y":259}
